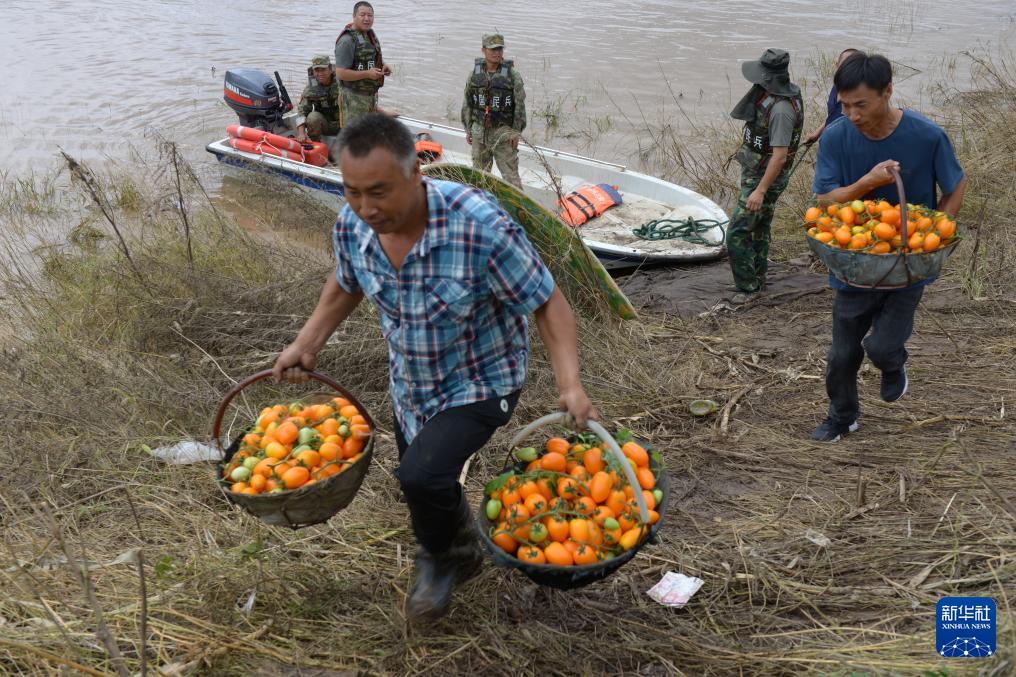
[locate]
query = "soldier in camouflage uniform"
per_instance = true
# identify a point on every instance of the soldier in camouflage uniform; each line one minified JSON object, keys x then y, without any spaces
{"x":319,"y":103}
{"x":358,"y":65}
{"x":773,"y":112}
{"x":494,"y":111}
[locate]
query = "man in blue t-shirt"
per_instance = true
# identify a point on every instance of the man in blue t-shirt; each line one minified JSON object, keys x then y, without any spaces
{"x":857,"y":157}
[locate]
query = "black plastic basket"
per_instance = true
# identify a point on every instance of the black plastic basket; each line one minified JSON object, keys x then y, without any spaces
{"x":307,"y":505}
{"x":567,"y":578}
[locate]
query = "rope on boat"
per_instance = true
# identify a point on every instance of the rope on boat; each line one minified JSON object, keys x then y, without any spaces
{"x":689,"y":230}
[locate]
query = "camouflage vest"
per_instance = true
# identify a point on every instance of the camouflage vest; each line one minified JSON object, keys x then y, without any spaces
{"x":366,"y":55}
{"x":323,"y":99}
{"x":755,"y":150}
{"x":492,"y":95}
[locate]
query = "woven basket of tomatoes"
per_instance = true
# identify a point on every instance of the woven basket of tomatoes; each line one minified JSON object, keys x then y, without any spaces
{"x":300,"y":462}
{"x":877,"y":245}
{"x":574,"y":510}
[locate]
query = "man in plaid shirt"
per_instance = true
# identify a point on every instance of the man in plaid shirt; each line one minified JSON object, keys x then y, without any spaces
{"x":453,"y":279}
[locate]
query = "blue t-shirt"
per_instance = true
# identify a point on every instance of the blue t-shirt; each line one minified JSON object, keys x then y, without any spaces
{"x":921,"y":147}
{"x":834,"y":109}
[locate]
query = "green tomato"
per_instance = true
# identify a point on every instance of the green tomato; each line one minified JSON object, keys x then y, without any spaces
{"x":493,"y":509}
{"x":302,"y":447}
{"x":526,"y":454}
{"x":342,"y":420}
{"x":306,"y":436}
{"x":857,"y":206}
{"x":240,"y":474}
{"x":610,"y":524}
{"x":537,"y":533}
{"x":294,"y":408}
{"x":344,"y":430}
{"x":250,"y":462}
{"x":658,"y":495}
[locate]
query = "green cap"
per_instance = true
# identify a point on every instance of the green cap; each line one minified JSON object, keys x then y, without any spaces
{"x":321,"y":61}
{"x":492,"y":40}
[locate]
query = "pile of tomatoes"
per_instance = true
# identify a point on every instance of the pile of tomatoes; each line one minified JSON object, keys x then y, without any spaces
{"x":876,"y":227}
{"x":295,"y":445}
{"x":571,"y":505}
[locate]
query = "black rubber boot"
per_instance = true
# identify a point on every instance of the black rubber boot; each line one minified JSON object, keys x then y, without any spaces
{"x":437,"y":574}
{"x":465,"y":550}
{"x":432,"y":586}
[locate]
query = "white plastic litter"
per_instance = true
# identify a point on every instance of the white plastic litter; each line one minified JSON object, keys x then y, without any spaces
{"x":818,"y":538}
{"x":675,"y":589}
{"x":186,"y":452}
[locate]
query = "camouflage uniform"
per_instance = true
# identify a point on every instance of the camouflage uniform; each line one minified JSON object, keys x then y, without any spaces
{"x":359,"y":51}
{"x":319,"y":104}
{"x":748,"y":233}
{"x":494,"y":113}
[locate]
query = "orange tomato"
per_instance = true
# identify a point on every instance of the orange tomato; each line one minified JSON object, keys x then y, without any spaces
{"x":351,"y":447}
{"x":634,"y":451}
{"x":848,"y":215}
{"x":600,"y":486}
{"x":558,"y":555}
{"x":884,"y":231}
{"x":557,"y":528}
{"x":812,"y":214}
{"x":531,"y":555}
{"x":505,"y":540}
{"x":295,"y":477}
{"x":601,"y":514}
{"x":286,"y":433}
{"x":593,"y":460}
{"x":890,"y":216}
{"x":558,"y":445}
{"x":535,"y":503}
{"x":553,"y":461}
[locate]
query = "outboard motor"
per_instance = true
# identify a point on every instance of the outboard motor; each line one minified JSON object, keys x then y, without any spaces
{"x":258,"y":100}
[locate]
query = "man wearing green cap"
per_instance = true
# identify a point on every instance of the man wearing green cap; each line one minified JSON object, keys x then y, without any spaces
{"x":358,"y":64}
{"x":494,"y":111}
{"x":773,"y":114}
{"x":319,"y":103}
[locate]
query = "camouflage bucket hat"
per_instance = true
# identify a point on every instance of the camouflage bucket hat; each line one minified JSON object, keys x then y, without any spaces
{"x":321,"y":61}
{"x":772,"y":73}
{"x":492,"y":40}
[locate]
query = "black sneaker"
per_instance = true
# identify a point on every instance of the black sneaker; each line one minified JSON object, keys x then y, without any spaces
{"x":829,"y":431}
{"x":894,"y":384}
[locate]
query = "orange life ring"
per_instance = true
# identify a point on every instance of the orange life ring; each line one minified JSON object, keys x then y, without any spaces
{"x":317,"y":156}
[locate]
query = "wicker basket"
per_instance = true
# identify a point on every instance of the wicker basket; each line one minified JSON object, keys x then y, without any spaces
{"x":567,"y":578}
{"x":881,"y":271}
{"x":307,"y":505}
{"x":884,"y":271}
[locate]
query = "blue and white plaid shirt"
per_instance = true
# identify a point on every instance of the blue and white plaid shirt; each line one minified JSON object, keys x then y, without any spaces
{"x":455,"y":314}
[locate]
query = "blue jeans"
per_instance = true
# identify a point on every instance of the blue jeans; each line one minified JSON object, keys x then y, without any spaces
{"x":890,"y":317}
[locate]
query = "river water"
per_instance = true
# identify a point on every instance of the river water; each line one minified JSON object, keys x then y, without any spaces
{"x":96,"y":77}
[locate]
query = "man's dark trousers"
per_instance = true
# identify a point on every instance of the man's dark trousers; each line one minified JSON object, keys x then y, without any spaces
{"x":890,"y":317}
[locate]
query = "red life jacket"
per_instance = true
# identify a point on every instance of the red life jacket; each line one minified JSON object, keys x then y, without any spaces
{"x":588,"y":202}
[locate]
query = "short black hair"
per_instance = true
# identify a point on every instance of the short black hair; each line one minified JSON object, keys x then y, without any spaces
{"x":378,"y":130}
{"x":860,"y":68}
{"x":362,"y":3}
